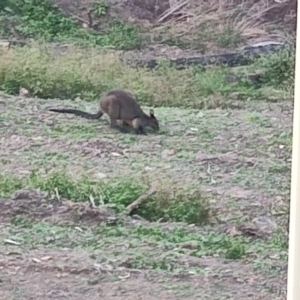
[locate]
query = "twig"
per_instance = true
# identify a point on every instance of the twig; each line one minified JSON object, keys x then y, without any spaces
{"x":79,"y":19}
{"x":140,"y":199}
{"x":172,"y":10}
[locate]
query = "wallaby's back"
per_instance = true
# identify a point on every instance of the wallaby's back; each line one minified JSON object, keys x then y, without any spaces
{"x":121,"y":105}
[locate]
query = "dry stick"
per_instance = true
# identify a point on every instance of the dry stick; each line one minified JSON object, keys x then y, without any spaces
{"x":171,"y":10}
{"x":132,"y":206}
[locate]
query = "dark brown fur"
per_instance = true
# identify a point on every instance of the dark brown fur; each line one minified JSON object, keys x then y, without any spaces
{"x":123,"y":111}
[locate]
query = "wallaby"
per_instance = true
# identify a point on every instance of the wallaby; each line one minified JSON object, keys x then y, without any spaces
{"x":122,"y":109}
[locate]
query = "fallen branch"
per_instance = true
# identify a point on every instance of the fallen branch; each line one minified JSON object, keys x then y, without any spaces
{"x":136,"y":203}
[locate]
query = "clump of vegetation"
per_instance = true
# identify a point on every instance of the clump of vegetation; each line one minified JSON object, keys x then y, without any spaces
{"x":179,"y":206}
{"x":118,"y":194}
{"x":278,"y":69}
{"x":43,"y":20}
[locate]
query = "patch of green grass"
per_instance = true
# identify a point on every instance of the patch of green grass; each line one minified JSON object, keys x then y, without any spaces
{"x":9,"y":184}
{"x":119,"y":194}
{"x":143,"y":246}
{"x":55,"y":155}
{"x":76,"y":131}
{"x":189,"y":207}
{"x":90,"y":73}
{"x":43,"y":20}
{"x":259,"y":119}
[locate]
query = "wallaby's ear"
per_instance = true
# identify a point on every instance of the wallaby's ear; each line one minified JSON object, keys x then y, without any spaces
{"x":152,"y":113}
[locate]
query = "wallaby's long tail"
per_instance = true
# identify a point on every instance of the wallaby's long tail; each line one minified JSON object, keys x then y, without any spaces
{"x":80,"y":113}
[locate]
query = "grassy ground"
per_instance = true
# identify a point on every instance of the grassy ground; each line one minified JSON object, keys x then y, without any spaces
{"x":68,"y":73}
{"x":220,"y":165}
{"x":217,"y":168}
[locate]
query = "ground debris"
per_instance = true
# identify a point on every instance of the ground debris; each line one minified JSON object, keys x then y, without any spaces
{"x":37,"y":205}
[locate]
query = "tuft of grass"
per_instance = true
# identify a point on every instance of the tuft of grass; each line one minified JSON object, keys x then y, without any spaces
{"x":89,"y":73}
{"x":191,"y":207}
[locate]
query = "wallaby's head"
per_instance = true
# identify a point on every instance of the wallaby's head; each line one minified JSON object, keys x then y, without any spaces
{"x":152,"y":121}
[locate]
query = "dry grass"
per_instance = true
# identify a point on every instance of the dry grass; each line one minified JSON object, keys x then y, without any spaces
{"x":252,"y":20}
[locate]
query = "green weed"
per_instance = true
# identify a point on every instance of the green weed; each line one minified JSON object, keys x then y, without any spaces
{"x":100,"y":7}
{"x":188,"y":207}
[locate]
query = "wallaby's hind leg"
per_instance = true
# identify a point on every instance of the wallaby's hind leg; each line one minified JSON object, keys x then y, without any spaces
{"x":115,"y":125}
{"x":114,"y":112}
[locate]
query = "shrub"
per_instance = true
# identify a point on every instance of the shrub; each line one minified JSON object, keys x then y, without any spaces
{"x":278,"y":69}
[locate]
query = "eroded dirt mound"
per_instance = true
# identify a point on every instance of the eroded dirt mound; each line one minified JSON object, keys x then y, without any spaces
{"x":36,"y":205}
{"x":125,"y":10}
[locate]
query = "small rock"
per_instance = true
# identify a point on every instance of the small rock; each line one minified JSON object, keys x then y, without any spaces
{"x":115,"y":154}
{"x":45,"y":258}
{"x":265,"y":224}
{"x":235,"y":95}
{"x":23,"y":92}
{"x":101,"y":175}
{"x":4,"y":44}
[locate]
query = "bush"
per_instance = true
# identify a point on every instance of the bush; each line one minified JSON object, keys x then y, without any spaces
{"x":278,"y":69}
{"x":188,"y":207}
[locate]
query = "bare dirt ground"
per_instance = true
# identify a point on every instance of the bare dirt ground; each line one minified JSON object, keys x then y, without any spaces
{"x":240,"y":157}
{"x":41,"y":272}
